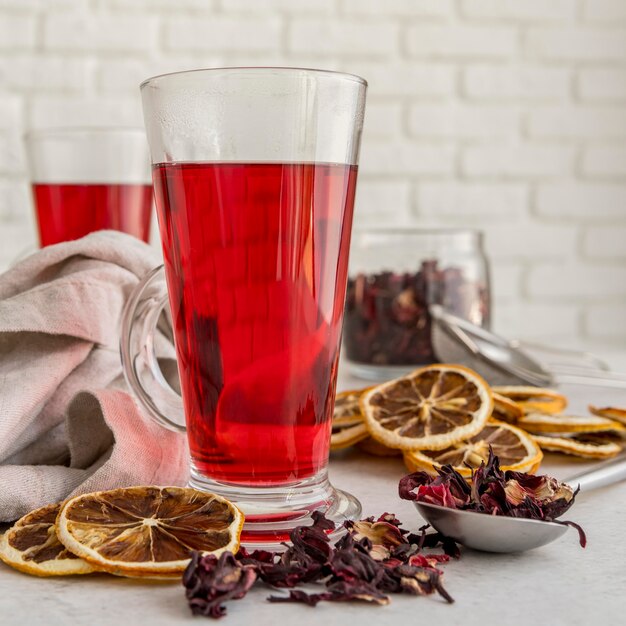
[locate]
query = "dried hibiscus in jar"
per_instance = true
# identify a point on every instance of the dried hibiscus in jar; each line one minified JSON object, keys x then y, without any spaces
{"x":387,"y":322}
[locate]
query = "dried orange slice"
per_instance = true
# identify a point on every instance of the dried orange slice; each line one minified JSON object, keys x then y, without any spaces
{"x":148,"y":532}
{"x":577,"y":447}
{"x":345,"y":437}
{"x":429,"y":409}
{"x":31,"y":545}
{"x":540,"y":423}
{"x":505,"y":409}
{"x":610,"y":412}
{"x":516,"y":450}
{"x":534,"y":399}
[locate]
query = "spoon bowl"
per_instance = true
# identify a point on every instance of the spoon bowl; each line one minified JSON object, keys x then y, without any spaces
{"x":490,"y":533}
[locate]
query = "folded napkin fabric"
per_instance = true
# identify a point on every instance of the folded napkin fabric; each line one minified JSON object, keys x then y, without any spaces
{"x":68,"y":423}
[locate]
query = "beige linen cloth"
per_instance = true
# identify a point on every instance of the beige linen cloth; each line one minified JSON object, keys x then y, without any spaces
{"x":68,"y":423}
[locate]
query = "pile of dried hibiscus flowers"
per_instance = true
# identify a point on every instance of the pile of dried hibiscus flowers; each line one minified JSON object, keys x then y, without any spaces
{"x":374,"y":558}
{"x":494,"y":492}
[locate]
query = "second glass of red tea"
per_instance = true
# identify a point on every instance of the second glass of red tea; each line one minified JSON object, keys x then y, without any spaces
{"x":254,"y":175}
{"x":88,"y":179}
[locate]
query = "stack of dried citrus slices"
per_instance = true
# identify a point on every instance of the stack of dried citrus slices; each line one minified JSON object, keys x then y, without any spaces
{"x":597,"y":436}
{"x":437,"y":415}
{"x":137,"y":532}
{"x":447,"y":414}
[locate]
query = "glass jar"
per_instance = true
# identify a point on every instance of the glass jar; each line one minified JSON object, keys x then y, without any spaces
{"x":394,"y":276}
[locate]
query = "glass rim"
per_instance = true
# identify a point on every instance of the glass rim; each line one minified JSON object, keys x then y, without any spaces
{"x":263,"y":68}
{"x":63,"y":132}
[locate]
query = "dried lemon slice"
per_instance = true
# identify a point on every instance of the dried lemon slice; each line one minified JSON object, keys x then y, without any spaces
{"x":610,"y":412}
{"x":348,"y":427}
{"x":505,"y":409}
{"x":604,"y":436}
{"x":31,"y":545}
{"x":148,"y":531}
{"x":346,"y":437}
{"x":576,"y":447}
{"x":540,"y":423}
{"x":534,"y":399}
{"x":347,"y":410}
{"x":516,"y":450}
{"x":375,"y":448}
{"x":429,"y":409}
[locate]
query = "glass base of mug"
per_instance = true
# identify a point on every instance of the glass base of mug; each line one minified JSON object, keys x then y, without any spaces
{"x":380,"y":373}
{"x":272,"y":512}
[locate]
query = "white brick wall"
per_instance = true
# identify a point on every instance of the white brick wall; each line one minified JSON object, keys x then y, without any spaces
{"x":606,"y":243}
{"x":520,"y":160}
{"x":350,"y":38}
{"x":576,"y":43}
{"x":461,"y":42}
{"x":73,"y":33}
{"x":587,"y":202}
{"x":610,"y":11}
{"x":505,"y":115}
{"x":605,"y":162}
{"x":469,"y":200}
{"x":531,"y":10}
{"x":17,"y":32}
{"x":229,"y":34}
{"x":602,"y":84}
{"x":519,"y":83}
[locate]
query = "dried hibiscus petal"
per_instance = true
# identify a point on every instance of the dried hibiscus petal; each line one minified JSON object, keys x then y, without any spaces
{"x":421,"y":581}
{"x":351,"y":562}
{"x":390,"y":518}
{"x":302,"y":562}
{"x":447,"y":489}
{"x":430,"y":560}
{"x":437,"y":494}
{"x":337,"y":592}
{"x":385,"y":537}
{"x":297,"y":595}
{"x":211,"y":581}
{"x":548,"y":491}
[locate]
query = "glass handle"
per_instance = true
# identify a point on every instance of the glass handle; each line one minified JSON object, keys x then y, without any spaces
{"x":146,"y":326}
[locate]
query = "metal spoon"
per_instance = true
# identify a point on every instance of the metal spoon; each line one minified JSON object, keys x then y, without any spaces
{"x":508,"y":362}
{"x":491,"y":533}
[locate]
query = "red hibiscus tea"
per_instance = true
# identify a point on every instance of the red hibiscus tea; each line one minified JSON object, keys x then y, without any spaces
{"x":70,"y":211}
{"x":256,"y":261}
{"x":89,"y":179}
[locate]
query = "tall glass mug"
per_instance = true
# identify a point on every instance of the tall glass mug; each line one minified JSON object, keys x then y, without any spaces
{"x":254,"y":173}
{"x":87,"y":179}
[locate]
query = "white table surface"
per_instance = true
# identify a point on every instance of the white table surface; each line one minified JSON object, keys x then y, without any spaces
{"x":559,"y":584}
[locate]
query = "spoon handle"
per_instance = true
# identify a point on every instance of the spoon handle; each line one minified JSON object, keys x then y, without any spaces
{"x":607,"y":474}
